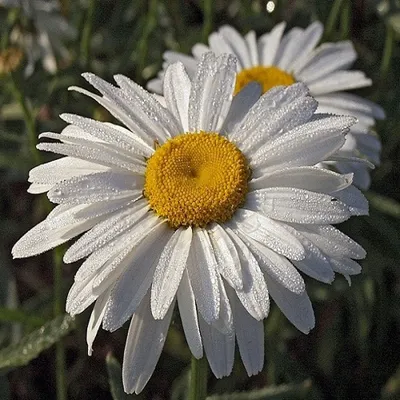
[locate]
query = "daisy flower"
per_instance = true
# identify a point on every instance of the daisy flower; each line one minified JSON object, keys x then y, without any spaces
{"x":283,"y":59}
{"x":50,"y":29}
{"x":203,"y":199}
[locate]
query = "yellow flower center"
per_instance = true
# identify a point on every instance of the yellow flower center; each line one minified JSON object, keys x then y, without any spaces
{"x":196,"y":178}
{"x":267,"y":77}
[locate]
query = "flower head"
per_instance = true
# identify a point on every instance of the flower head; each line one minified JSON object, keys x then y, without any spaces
{"x":49,"y":31}
{"x":203,"y":199}
{"x":282,"y":59}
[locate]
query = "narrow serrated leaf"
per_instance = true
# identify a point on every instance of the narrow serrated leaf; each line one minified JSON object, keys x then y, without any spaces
{"x":31,"y":345}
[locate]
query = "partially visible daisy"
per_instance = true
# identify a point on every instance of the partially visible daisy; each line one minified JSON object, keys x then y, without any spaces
{"x":283,"y":59}
{"x":50,"y":30}
{"x":203,"y":199}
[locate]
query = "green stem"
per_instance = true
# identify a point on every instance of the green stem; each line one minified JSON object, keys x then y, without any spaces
{"x":15,"y":315}
{"x":87,"y":34}
{"x":28,"y":116}
{"x":150,"y":24}
{"x":198,"y":379}
{"x":345,"y":20}
{"x":387,"y":51}
{"x":208,"y":19}
{"x":332,"y":18}
{"x":59,"y":310}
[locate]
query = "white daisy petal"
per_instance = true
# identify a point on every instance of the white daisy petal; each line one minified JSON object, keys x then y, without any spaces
{"x":95,"y":320}
{"x":240,"y":106}
{"x":52,"y":232}
{"x":263,"y":110}
{"x":328,"y":58}
{"x":269,"y":44}
{"x":304,"y":145}
{"x":237,"y":43}
{"x":146,"y":337}
{"x":354,"y":200}
{"x":300,"y":47}
{"x":294,"y":35}
{"x":228,"y":262}
{"x":202,"y":268}
{"x":150,"y":113}
{"x":308,"y":178}
{"x":96,"y":187}
{"x":219,"y":349}
{"x":119,"y":111}
{"x":251,"y":42}
{"x":268,"y":232}
{"x":95,"y":152}
{"x":277,"y":267}
{"x":331,"y":241}
{"x":349,"y":102}
{"x":298,"y":205}
{"x":177,"y":87}
{"x":110,"y":133}
{"x":64,"y":168}
{"x":345,"y":266}
{"x":188,"y":313}
{"x":169,"y":270}
{"x":340,"y":80}
{"x":315,"y":263}
{"x":133,"y":284}
{"x":224,"y":323}
{"x":211,"y":92}
{"x":250,"y":337}
{"x":296,"y":307}
{"x":254,"y":296}
{"x":106,"y":231}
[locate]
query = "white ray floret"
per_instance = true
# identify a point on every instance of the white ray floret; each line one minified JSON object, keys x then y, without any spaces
{"x":142,"y":256}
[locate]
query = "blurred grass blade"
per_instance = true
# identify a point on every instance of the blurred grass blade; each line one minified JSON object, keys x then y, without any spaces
{"x":282,"y":392}
{"x":15,"y":315}
{"x":115,"y":378}
{"x":391,"y":391}
{"x":384,"y":204}
{"x":31,"y":345}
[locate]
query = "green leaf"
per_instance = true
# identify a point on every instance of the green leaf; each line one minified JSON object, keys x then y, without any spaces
{"x":281,"y":392}
{"x":384,"y":204}
{"x":31,"y":345}
{"x":115,"y":379}
{"x":15,"y":315}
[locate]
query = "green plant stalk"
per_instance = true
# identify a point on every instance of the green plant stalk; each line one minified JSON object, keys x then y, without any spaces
{"x":345,"y":20}
{"x":208,"y":19}
{"x":332,"y":18}
{"x":142,"y":49}
{"x":28,"y":116}
{"x":15,"y":315}
{"x":57,"y":256}
{"x":387,"y":51}
{"x":87,"y":35}
{"x":59,"y":310}
{"x":198,"y":379}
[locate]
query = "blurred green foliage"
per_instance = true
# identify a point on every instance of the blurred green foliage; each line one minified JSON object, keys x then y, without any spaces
{"x":354,"y":351}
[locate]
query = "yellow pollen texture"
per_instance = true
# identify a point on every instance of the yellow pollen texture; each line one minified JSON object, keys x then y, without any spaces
{"x":267,"y":77}
{"x":196,"y":178}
